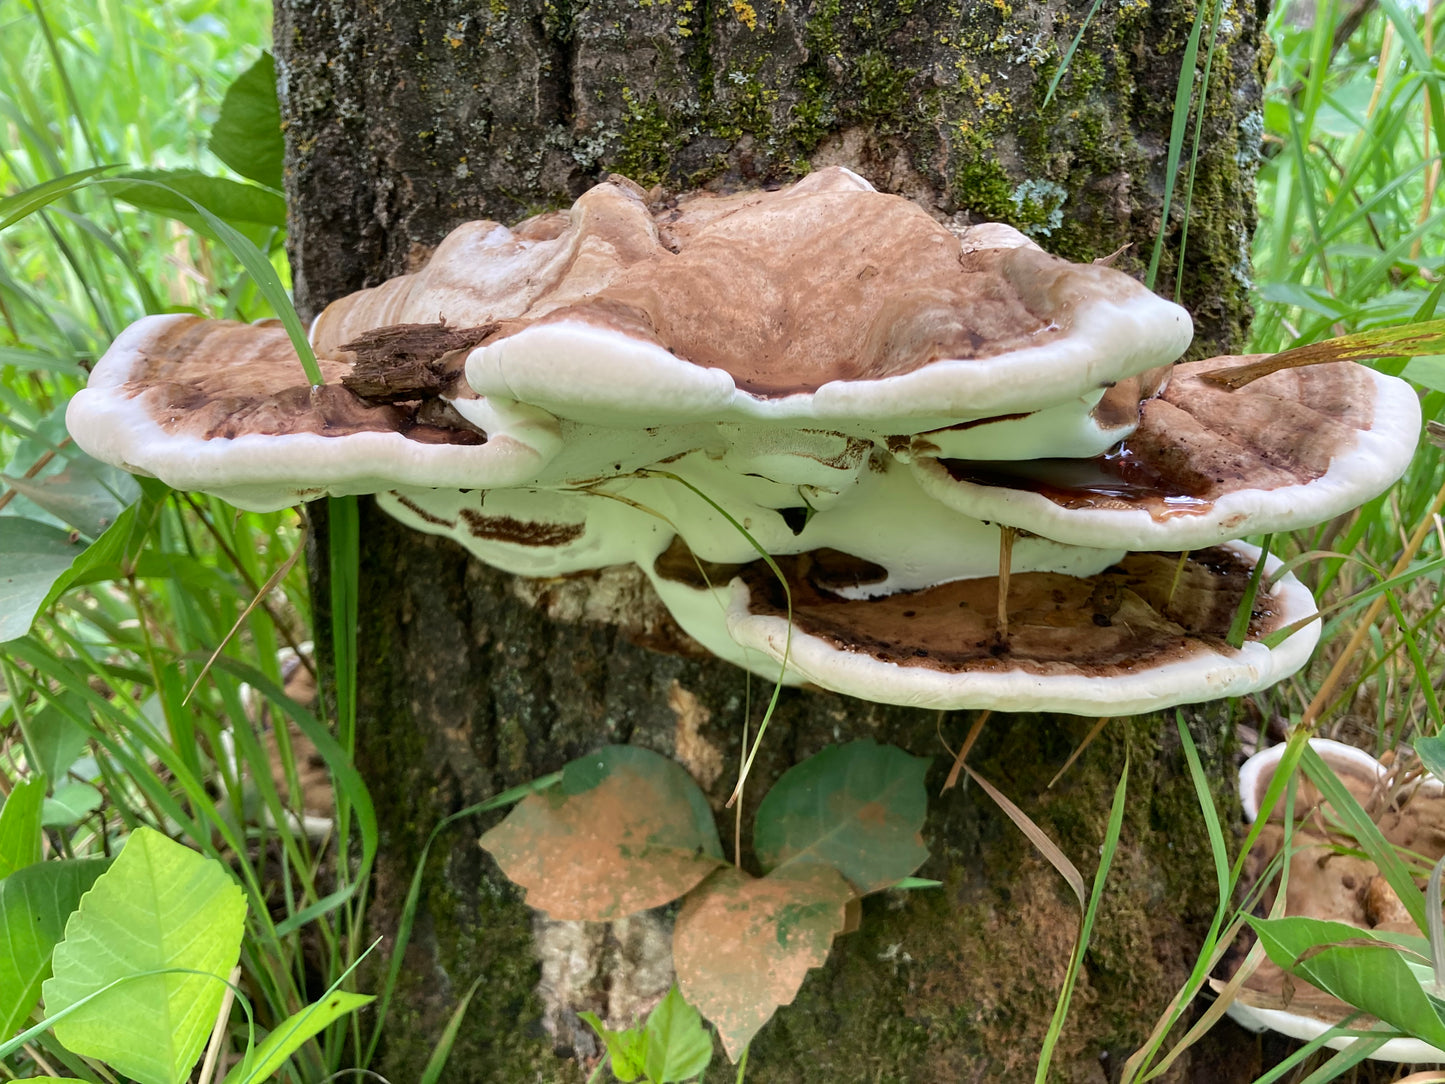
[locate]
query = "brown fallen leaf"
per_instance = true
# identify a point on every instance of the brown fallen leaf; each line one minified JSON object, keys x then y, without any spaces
{"x":626,"y":830}
{"x":743,"y":945}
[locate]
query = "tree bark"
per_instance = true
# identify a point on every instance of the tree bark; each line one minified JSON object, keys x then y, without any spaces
{"x":407,"y":118}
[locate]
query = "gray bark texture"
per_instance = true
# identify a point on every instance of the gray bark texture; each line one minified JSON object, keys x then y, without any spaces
{"x":404,"y":119}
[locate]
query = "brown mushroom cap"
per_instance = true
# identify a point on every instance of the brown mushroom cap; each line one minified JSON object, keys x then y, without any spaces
{"x":483,"y":272}
{"x":826,"y":300}
{"x":1207,"y":464}
{"x":226,"y":407}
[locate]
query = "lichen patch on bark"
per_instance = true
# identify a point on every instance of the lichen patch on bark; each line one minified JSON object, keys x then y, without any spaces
{"x":699,"y":756}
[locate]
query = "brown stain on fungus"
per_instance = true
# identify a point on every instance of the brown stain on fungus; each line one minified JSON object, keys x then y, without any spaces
{"x":420,"y":512}
{"x":520,"y":532}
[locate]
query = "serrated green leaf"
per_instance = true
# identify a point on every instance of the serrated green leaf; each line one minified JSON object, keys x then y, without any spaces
{"x":34,"y":904}
{"x":624,"y":1048}
{"x":70,"y":804}
{"x":20,"y":827}
{"x":857,"y":808}
{"x":160,"y":906}
{"x":742,"y":946}
{"x":1372,"y":977}
{"x":627,"y":829}
{"x":268,"y":1058}
{"x":247,"y":135}
{"x":677,"y":1045}
{"x":231,"y":201}
{"x":34,"y":556}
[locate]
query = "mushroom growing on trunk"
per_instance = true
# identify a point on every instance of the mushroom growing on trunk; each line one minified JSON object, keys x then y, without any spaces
{"x":815,"y":417}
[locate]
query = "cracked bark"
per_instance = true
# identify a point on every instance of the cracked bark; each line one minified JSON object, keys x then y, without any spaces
{"x":406,"y":118}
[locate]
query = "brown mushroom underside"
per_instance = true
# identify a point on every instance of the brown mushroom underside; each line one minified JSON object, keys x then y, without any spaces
{"x":222,"y":379}
{"x":1197,"y":441}
{"x":1144,"y":612}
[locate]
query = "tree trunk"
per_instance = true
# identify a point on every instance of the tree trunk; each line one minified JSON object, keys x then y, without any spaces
{"x":407,"y":118}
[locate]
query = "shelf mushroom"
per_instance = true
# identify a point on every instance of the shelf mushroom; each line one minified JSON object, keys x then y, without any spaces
{"x":682,"y":384}
{"x":1329,"y":879}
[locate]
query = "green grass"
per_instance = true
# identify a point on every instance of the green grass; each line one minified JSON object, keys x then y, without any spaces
{"x":1351,"y":237}
{"x":99,"y":83}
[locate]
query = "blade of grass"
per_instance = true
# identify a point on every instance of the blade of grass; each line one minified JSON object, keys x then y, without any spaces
{"x":1182,"y":95}
{"x":1086,"y":926}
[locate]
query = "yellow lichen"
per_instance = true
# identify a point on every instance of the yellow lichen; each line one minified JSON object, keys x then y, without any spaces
{"x":745,"y":14}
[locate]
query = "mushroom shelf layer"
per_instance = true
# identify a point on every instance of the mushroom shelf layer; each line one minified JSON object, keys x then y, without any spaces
{"x":225,"y":407}
{"x":1206,"y":464}
{"x":1145,"y":634}
{"x":825,"y":302}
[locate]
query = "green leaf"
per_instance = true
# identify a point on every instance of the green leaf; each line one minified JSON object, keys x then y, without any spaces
{"x":1431,"y":752}
{"x":677,"y":1045}
{"x":256,"y":263}
{"x":70,"y":804}
{"x":33,"y":558}
{"x":857,"y":808}
{"x":627,"y":829}
{"x":1428,"y":372}
{"x":29,"y":557}
{"x":624,"y":1048}
{"x":231,"y":201}
{"x":29,"y":360}
{"x":20,"y":827}
{"x":34,"y":904}
{"x":1366,"y":832}
{"x":743,"y":946}
{"x":1341,"y":960}
{"x":52,"y":737}
{"x":908,"y":884}
{"x":268,"y":1058}
{"x":87,"y":494}
{"x":1404,"y":341}
{"x":247,"y":135}
{"x":160,"y":906}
